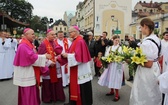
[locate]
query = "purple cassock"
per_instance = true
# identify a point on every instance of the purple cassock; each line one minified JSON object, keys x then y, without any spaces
{"x":51,"y":91}
{"x":29,"y":95}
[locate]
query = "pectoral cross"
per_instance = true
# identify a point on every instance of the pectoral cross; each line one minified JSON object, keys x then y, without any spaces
{"x":50,"y":49}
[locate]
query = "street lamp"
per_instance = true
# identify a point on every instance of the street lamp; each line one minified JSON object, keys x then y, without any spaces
{"x":47,"y":22}
{"x":3,"y":26}
{"x":115,"y":20}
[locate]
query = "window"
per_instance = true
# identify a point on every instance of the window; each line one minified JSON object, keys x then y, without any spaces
{"x":64,"y":29}
{"x":166,"y":29}
{"x":56,"y":28}
{"x":144,"y":10}
{"x":60,"y":29}
{"x":151,"y":11}
{"x":166,"y":7}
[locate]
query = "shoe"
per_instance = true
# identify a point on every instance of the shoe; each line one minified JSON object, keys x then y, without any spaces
{"x":66,"y":103}
{"x":130,"y":79}
{"x":109,"y":94}
{"x":116,"y":98}
{"x":95,"y":75}
{"x":48,"y":102}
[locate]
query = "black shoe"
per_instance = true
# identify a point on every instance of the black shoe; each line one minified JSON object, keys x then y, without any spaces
{"x":48,"y":102}
{"x":130,"y":79}
{"x":95,"y":75}
{"x":66,"y":103}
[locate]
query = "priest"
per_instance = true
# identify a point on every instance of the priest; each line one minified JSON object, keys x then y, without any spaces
{"x":52,"y":89}
{"x":79,"y":59}
{"x":26,"y":72}
{"x":65,"y":43}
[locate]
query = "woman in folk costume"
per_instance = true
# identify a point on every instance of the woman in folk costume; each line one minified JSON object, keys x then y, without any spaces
{"x":145,"y":89}
{"x":112,"y":76}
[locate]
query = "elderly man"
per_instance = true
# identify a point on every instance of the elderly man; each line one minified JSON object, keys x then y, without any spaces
{"x":91,"y":46}
{"x":65,"y":43}
{"x":79,"y":58}
{"x":26,"y":72}
{"x":52,"y":89}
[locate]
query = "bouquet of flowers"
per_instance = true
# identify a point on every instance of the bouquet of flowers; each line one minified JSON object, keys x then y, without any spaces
{"x":138,"y":57}
{"x":127,"y":53}
{"x":114,"y":56}
{"x":133,"y":58}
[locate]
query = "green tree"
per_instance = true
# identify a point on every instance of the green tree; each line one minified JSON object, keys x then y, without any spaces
{"x":20,"y":9}
{"x":37,"y":24}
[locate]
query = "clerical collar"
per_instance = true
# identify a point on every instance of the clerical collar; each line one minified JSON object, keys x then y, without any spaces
{"x":75,"y":38}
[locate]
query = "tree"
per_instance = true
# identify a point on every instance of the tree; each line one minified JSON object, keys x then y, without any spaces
{"x":37,"y":23}
{"x":20,"y":9}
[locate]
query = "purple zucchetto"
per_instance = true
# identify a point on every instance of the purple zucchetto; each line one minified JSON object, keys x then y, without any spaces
{"x":76,"y":27}
{"x":25,"y":30}
{"x":49,"y":30}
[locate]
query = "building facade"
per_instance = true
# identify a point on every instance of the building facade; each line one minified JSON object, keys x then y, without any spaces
{"x":161,"y":25}
{"x":68,"y":15}
{"x":80,"y":16}
{"x":113,"y":16}
{"x":143,"y":6}
{"x":73,"y":21}
{"x":89,"y":15}
{"x":60,"y":25}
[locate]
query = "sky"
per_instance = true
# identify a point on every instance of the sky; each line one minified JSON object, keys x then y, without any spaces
{"x":56,"y":8}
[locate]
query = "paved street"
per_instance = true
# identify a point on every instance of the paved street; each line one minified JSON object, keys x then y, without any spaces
{"x":8,"y":94}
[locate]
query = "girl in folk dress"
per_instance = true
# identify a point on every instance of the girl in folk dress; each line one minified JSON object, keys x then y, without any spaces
{"x":145,"y":89}
{"x":113,"y":75}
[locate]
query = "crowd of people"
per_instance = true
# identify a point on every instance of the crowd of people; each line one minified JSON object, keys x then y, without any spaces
{"x":58,"y":61}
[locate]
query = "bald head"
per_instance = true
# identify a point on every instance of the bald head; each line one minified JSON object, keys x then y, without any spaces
{"x":50,"y":35}
{"x":29,"y":34}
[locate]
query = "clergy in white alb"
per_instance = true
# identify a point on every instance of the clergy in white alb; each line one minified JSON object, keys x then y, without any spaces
{"x":65,"y":43}
{"x":5,"y":45}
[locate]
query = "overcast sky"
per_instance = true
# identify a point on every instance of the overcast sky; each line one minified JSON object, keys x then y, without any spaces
{"x":56,"y":8}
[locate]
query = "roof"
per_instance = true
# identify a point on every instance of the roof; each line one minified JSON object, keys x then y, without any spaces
{"x":58,"y":22}
{"x":10,"y":21}
{"x":150,"y":4}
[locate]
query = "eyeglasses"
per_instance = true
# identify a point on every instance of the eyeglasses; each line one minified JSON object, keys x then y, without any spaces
{"x":71,"y":32}
{"x":53,"y":34}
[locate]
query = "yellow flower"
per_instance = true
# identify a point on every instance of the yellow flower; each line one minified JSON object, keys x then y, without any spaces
{"x":135,"y":59}
{"x":118,"y":59}
{"x":142,"y":60}
{"x":130,"y":49}
{"x":103,"y":58}
{"x":125,"y":49}
{"x":109,"y":59}
{"x":138,"y":51}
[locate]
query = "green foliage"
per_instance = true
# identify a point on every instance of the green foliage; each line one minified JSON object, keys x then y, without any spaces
{"x":37,"y":25}
{"x":20,"y":9}
{"x":156,"y":31}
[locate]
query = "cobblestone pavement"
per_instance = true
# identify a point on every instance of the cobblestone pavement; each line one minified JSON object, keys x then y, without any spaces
{"x":8,"y":94}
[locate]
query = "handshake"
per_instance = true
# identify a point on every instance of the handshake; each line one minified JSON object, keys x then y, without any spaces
{"x":48,"y":56}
